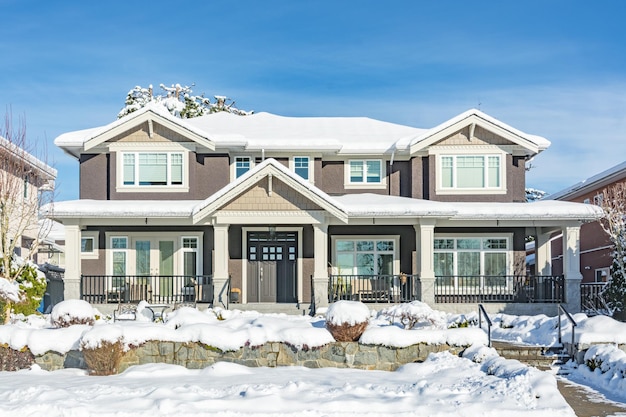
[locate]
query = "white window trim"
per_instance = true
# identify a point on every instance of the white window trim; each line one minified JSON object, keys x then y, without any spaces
{"x":477,"y":150}
{"x":509,"y":250}
{"x":394,"y":238}
{"x":292,"y":165}
{"x":93,"y":236}
{"x":131,"y":238}
{"x":122,"y":188}
{"x":197,"y":250}
{"x":233,"y":165}
{"x":348,"y":185}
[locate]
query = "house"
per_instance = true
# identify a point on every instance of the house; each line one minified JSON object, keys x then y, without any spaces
{"x":595,"y":246}
{"x":23,"y":180}
{"x":308,"y":210}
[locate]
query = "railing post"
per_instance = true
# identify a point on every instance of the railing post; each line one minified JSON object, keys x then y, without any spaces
{"x":574,"y":324}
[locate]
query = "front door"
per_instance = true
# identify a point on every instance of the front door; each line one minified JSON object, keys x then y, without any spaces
{"x":272,"y":267}
{"x":154,"y":258}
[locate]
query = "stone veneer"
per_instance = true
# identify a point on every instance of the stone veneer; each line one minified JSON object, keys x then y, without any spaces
{"x":196,"y":356}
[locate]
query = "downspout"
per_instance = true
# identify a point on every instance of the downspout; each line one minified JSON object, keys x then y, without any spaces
{"x":391,"y":169}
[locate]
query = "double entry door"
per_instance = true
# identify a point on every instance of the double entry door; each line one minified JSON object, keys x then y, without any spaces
{"x":272,"y":260}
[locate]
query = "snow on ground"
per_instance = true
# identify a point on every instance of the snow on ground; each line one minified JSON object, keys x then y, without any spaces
{"x":480,"y":383}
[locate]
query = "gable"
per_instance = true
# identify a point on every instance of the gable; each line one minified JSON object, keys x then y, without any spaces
{"x":146,"y":133}
{"x":480,"y":136}
{"x":275,"y":197}
{"x":147,"y":125}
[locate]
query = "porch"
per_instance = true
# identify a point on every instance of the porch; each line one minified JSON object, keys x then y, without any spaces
{"x":448,"y":289}
{"x":104,"y":289}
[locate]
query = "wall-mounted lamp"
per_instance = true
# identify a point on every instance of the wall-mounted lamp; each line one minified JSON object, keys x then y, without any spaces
{"x":587,"y":267}
{"x":272,"y":230}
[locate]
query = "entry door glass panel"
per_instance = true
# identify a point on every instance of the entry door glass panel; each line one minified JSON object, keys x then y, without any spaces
{"x":142,"y":257}
{"x":166,"y":267}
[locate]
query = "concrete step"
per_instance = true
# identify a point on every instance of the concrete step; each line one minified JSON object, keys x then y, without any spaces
{"x":537,"y":356}
{"x":268,"y":308}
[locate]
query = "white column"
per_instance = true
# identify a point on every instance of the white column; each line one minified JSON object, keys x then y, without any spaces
{"x":543,"y":254}
{"x":571,"y":267}
{"x":320,"y":260}
{"x":220,"y":261}
{"x":71,"y":278}
{"x":425,"y":238}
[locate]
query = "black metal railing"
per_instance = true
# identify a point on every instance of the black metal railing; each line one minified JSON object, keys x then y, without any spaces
{"x":99,"y":289}
{"x":592,"y":300}
{"x":373,"y":288}
{"x":500,"y":289}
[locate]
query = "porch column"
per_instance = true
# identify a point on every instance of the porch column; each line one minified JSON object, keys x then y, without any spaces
{"x":425,"y":238}
{"x":320,"y":260}
{"x":71,"y":279}
{"x":543,"y":253}
{"x":220,"y":261}
{"x":571,"y":267}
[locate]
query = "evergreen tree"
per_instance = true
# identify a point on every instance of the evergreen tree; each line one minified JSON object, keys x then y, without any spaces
{"x":179,"y":101}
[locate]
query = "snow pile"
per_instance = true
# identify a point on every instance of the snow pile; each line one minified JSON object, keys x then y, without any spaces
{"x":604,"y":369}
{"x":351,"y":312}
{"x":10,"y":290}
{"x":415,"y":314}
{"x":69,"y":312}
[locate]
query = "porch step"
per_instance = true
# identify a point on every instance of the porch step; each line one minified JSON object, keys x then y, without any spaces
{"x":268,"y":308}
{"x":538,"y":356}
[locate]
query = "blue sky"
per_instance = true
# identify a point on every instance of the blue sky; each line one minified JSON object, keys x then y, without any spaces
{"x":551,"y":68}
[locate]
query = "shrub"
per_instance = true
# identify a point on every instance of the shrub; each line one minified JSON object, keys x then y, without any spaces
{"x":104,"y":359}
{"x":71,"y":312}
{"x":13,"y":360}
{"x":32,"y":287}
{"x":347,"y":320}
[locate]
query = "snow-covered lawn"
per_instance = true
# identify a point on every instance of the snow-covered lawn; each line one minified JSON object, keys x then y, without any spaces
{"x":480,"y":383}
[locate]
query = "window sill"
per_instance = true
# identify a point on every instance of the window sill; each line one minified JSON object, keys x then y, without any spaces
{"x":470,"y":191}
{"x":365,"y":186}
{"x":152,"y":189}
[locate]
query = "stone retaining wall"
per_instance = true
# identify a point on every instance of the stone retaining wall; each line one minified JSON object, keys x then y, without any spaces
{"x":197,"y":356}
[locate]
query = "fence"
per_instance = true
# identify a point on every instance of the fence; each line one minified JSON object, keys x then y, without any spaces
{"x":99,"y":289}
{"x":373,"y":288}
{"x":499,"y":289}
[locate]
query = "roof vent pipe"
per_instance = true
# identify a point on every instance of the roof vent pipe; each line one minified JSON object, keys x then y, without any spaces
{"x":262,"y":154}
{"x":393,"y":154}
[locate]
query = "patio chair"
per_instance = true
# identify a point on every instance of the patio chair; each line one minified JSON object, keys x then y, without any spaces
{"x":182,"y":304}
{"x":125,"y":311}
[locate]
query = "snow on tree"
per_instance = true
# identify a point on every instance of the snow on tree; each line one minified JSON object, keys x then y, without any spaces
{"x":26,"y":183}
{"x":533,"y":194}
{"x":179,"y":101}
{"x":613,"y":202}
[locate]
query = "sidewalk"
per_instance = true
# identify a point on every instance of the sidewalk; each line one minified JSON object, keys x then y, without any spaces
{"x":588,"y":403}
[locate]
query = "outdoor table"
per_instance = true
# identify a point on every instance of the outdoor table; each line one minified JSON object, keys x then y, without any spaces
{"x":157,"y":310}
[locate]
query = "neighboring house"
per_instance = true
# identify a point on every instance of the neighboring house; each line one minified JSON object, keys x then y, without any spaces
{"x":25,"y":177}
{"x":310,"y":209}
{"x":595,"y":246}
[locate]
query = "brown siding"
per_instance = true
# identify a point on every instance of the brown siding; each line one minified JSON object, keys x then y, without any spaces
{"x":93,"y":176}
{"x":515,"y":190}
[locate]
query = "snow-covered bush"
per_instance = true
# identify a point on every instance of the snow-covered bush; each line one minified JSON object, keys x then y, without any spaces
{"x":415,"y":314}
{"x":24,"y":292}
{"x":13,"y":360}
{"x":608,"y":359}
{"x":71,"y":312}
{"x":347,"y":320}
{"x":104,"y":359}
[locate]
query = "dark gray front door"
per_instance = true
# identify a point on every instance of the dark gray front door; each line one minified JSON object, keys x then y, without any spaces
{"x":272,"y":267}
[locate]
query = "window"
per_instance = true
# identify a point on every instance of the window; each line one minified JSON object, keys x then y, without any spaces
{"x":86,"y":245}
{"x":471,"y":257}
{"x":152,"y":168}
{"x":598,"y":199}
{"x":470,"y":171}
{"x":363,"y":256}
{"x":301,"y":166}
{"x":242,"y":165}
{"x":603,"y":274}
{"x":190,"y":258}
{"x":119,"y":257}
{"x":366,"y":171}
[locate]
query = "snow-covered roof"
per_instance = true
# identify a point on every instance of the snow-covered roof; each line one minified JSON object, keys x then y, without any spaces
{"x":342,"y":207}
{"x":533,"y":143}
{"x":46,"y":170}
{"x":271,"y":132}
{"x":341,"y":135}
{"x":617,"y":172}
